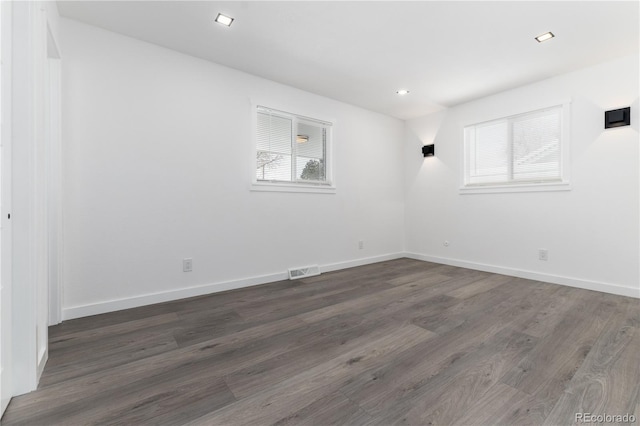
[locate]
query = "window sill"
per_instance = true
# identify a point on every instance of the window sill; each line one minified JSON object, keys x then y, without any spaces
{"x":292,"y":187}
{"x":521,"y":187}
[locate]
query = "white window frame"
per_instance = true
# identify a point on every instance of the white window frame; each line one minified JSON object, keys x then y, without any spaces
{"x":562,"y":184}
{"x":324,"y":187}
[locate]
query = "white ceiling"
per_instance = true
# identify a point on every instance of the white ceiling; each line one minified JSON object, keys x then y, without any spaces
{"x":444,"y":52}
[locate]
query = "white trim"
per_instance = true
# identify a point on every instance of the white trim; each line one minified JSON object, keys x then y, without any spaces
{"x":54,"y":187}
{"x":292,"y":187}
{"x":328,"y":187}
{"x":166,"y":296}
{"x":42,"y":358}
{"x":516,"y":186}
{"x":292,"y":115}
{"x":360,"y":262}
{"x":531,"y":275}
{"x":25,"y":248}
{"x":6,"y":326}
{"x":302,"y":109}
{"x":508,"y":110}
{"x":522,"y":187}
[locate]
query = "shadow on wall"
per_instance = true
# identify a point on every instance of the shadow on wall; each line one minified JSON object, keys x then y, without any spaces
{"x":422,"y":131}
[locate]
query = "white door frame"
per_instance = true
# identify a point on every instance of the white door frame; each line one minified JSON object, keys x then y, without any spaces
{"x":54,"y":175}
{"x":28,"y":219}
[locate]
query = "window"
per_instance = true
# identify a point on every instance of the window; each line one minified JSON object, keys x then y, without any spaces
{"x":291,"y":149}
{"x":522,"y":150}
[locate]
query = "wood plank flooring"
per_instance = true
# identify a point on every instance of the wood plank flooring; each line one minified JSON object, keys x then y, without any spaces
{"x":397,"y":342}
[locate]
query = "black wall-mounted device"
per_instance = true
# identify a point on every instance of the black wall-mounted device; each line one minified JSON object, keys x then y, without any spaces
{"x":617,"y":117}
{"x":429,"y":150}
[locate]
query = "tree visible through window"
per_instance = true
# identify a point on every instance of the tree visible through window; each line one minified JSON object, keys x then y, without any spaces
{"x":267,"y":161}
{"x":313,"y":170}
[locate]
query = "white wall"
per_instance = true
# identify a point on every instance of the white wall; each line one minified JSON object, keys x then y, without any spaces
{"x":158,"y":164}
{"x":591,"y":232}
{"x":157,"y":154}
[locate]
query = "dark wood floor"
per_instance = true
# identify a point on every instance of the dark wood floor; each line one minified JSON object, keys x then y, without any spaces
{"x":402,"y":341}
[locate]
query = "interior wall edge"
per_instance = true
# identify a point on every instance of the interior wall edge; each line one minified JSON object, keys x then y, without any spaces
{"x":549,"y":278}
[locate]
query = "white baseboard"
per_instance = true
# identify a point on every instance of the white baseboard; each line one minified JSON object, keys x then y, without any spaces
{"x":360,"y":262}
{"x":183,"y":293}
{"x":165,"y":296}
{"x":554,"y":279}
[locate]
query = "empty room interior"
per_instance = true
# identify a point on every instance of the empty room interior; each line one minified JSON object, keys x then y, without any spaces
{"x":319,"y":212}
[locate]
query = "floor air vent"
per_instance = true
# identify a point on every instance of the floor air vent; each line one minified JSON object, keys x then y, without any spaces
{"x":307,"y":271}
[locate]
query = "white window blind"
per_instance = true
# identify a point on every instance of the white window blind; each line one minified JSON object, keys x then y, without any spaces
{"x":273,"y":147}
{"x":524,"y":148}
{"x":291,"y":148}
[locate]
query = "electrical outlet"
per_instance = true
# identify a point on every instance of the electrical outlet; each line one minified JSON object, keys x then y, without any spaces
{"x":187,"y":265}
{"x":360,"y":245}
{"x":543,"y":254}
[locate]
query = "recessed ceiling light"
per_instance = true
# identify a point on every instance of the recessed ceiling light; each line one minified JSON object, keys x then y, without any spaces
{"x":545,"y":37}
{"x":224,"y":19}
{"x":402,"y":92}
